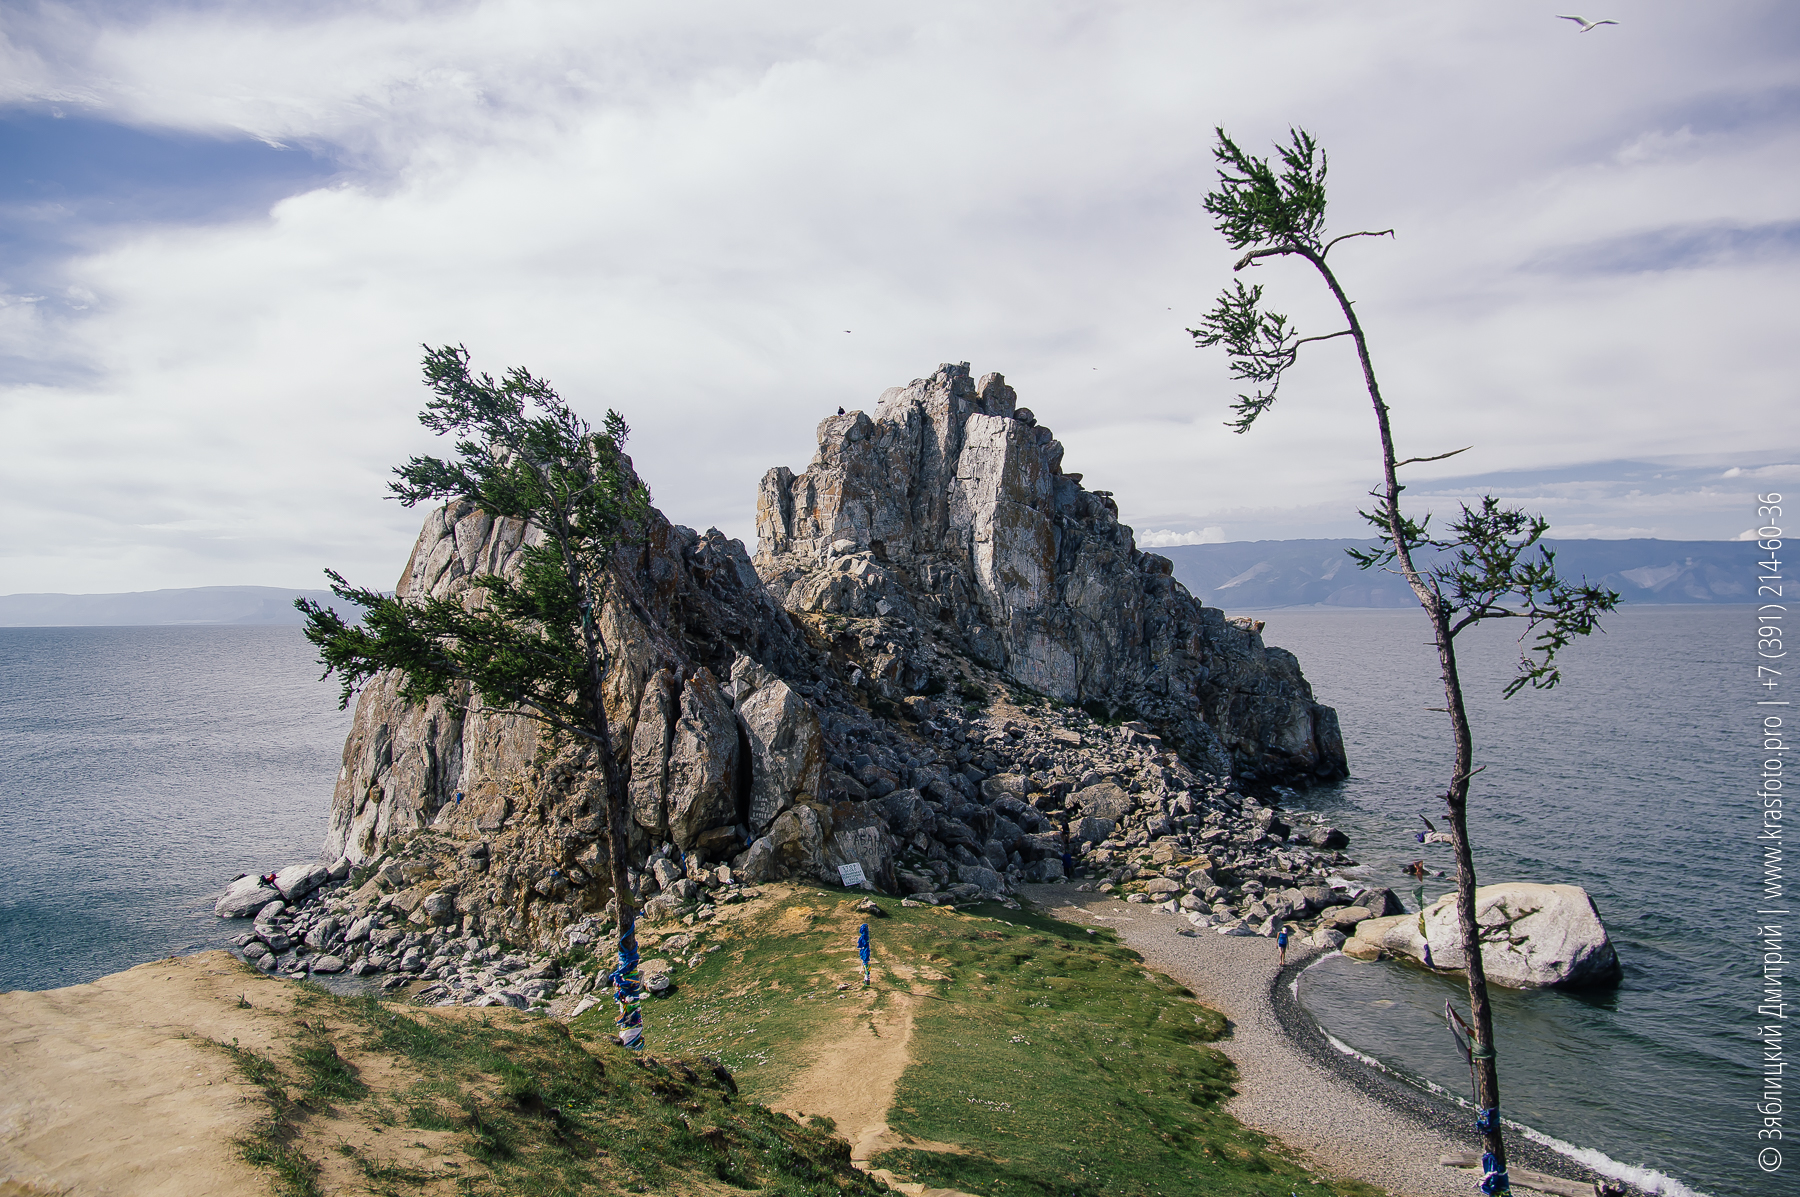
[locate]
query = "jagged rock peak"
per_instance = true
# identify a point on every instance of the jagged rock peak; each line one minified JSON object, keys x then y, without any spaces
{"x":949,"y":513}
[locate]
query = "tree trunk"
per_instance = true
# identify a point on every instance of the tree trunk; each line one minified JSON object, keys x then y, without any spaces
{"x":627,"y":990}
{"x":1481,"y":1011}
{"x":1486,"y":1067}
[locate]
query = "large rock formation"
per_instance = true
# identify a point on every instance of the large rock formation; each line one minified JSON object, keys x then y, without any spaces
{"x":948,"y":514}
{"x":936,"y":550}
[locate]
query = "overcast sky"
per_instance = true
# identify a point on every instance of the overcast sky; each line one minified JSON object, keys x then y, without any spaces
{"x":226,"y":229}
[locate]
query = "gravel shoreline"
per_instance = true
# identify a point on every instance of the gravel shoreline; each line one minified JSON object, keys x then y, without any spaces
{"x":1345,"y":1116}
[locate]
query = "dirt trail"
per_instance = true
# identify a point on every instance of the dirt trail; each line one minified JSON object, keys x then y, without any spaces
{"x":852,"y":1081}
{"x":109,"y":1091}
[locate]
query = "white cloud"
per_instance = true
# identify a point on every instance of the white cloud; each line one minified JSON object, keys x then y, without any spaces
{"x":678,"y":210}
{"x":1162,"y":538}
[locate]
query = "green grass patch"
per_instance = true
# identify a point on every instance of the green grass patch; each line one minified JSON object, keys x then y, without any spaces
{"x":270,"y":1144}
{"x":529,"y":1109}
{"x":1049,"y":1054}
{"x":538,"y":1110}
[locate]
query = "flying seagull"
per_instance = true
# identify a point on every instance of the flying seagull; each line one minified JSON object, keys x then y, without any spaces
{"x":1587,"y":26}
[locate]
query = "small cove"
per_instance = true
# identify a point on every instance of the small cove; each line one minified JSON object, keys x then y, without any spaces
{"x":1618,"y":781}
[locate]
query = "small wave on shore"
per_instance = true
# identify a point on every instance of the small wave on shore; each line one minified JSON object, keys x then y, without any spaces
{"x":1648,"y":1180}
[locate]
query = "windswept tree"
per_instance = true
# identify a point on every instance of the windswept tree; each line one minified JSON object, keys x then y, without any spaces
{"x":1489,"y":565}
{"x":528,"y":644}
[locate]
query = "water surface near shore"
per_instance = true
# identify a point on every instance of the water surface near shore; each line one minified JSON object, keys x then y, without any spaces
{"x":1630,"y":780}
{"x":146,"y":766}
{"x":143,"y":767}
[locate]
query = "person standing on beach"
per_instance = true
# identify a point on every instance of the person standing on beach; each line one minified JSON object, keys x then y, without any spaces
{"x":1281,"y":942}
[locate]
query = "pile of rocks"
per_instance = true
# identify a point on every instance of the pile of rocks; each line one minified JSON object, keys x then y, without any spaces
{"x":312,"y":921}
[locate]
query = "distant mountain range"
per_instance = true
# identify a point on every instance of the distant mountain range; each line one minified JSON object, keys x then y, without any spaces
{"x":249,"y":605}
{"x":1302,"y":573}
{"x":1239,"y":575}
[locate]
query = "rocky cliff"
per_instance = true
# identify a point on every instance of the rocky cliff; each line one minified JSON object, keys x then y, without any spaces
{"x":948,"y":517}
{"x":924,"y":673}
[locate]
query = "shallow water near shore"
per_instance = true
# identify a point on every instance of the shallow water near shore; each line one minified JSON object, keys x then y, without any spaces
{"x":1620,"y":781}
{"x":143,"y":768}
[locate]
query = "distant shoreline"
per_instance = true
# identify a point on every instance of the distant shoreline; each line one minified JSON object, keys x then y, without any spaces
{"x":194,"y":606}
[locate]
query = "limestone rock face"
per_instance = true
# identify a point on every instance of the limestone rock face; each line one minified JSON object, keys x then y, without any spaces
{"x":949,"y":510}
{"x":703,"y":757}
{"x":785,"y":741}
{"x":860,"y":836}
{"x":684,"y":602}
{"x":797,"y":840}
{"x":651,"y":744}
{"x":1532,"y":937}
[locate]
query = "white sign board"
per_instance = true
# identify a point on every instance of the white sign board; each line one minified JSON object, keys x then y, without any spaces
{"x":852,"y":874}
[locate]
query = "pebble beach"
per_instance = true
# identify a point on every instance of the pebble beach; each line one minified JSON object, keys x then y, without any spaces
{"x":1292,"y":1083}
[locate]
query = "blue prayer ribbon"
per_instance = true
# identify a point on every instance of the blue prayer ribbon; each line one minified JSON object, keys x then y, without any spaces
{"x":626,"y":990}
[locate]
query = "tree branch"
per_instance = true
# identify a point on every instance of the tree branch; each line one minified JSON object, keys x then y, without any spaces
{"x":1275,"y":252}
{"x":1436,"y":457}
{"x":1322,"y":337}
{"x":1347,"y":236}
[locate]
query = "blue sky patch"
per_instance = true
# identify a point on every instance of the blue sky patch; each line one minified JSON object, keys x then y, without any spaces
{"x":1676,"y":247}
{"x":67,"y":178}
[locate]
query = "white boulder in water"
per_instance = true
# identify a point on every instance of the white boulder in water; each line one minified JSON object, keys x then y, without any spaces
{"x":1532,"y":937}
{"x":243,"y":898}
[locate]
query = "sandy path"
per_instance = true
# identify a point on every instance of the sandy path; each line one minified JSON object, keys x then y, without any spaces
{"x":1283,"y":1091}
{"x":108,"y":1092}
{"x":852,"y":1081}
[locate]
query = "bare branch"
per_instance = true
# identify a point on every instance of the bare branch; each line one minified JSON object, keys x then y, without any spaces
{"x":1324,"y":337}
{"x":1437,"y":457}
{"x":1250,"y":257}
{"x":1347,"y":236}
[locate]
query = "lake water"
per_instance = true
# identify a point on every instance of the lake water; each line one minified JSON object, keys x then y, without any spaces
{"x":146,"y":766}
{"x":1632,"y":780}
{"x":143,"y":768}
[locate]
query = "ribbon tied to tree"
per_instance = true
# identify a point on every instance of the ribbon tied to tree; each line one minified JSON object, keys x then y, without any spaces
{"x":626,"y":988}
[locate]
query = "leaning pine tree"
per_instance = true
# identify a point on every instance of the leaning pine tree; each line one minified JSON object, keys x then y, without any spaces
{"x":1490,"y":565}
{"x":528,"y":644}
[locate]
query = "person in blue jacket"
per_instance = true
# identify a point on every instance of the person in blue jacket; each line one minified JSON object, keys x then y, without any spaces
{"x":1281,"y":942}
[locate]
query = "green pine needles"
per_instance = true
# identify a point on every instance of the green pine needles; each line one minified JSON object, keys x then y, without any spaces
{"x":524,"y":644}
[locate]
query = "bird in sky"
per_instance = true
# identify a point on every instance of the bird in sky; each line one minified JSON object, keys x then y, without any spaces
{"x":1587,"y":26}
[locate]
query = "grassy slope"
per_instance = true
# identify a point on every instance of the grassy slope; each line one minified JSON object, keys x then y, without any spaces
{"x":1048,"y":1053}
{"x":371,"y":1097}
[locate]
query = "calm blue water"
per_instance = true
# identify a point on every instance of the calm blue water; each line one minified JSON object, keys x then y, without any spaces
{"x":1631,"y":780}
{"x":143,"y":768}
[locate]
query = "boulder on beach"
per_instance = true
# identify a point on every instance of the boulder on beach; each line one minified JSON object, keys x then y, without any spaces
{"x":243,"y":898}
{"x":1533,"y":936}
